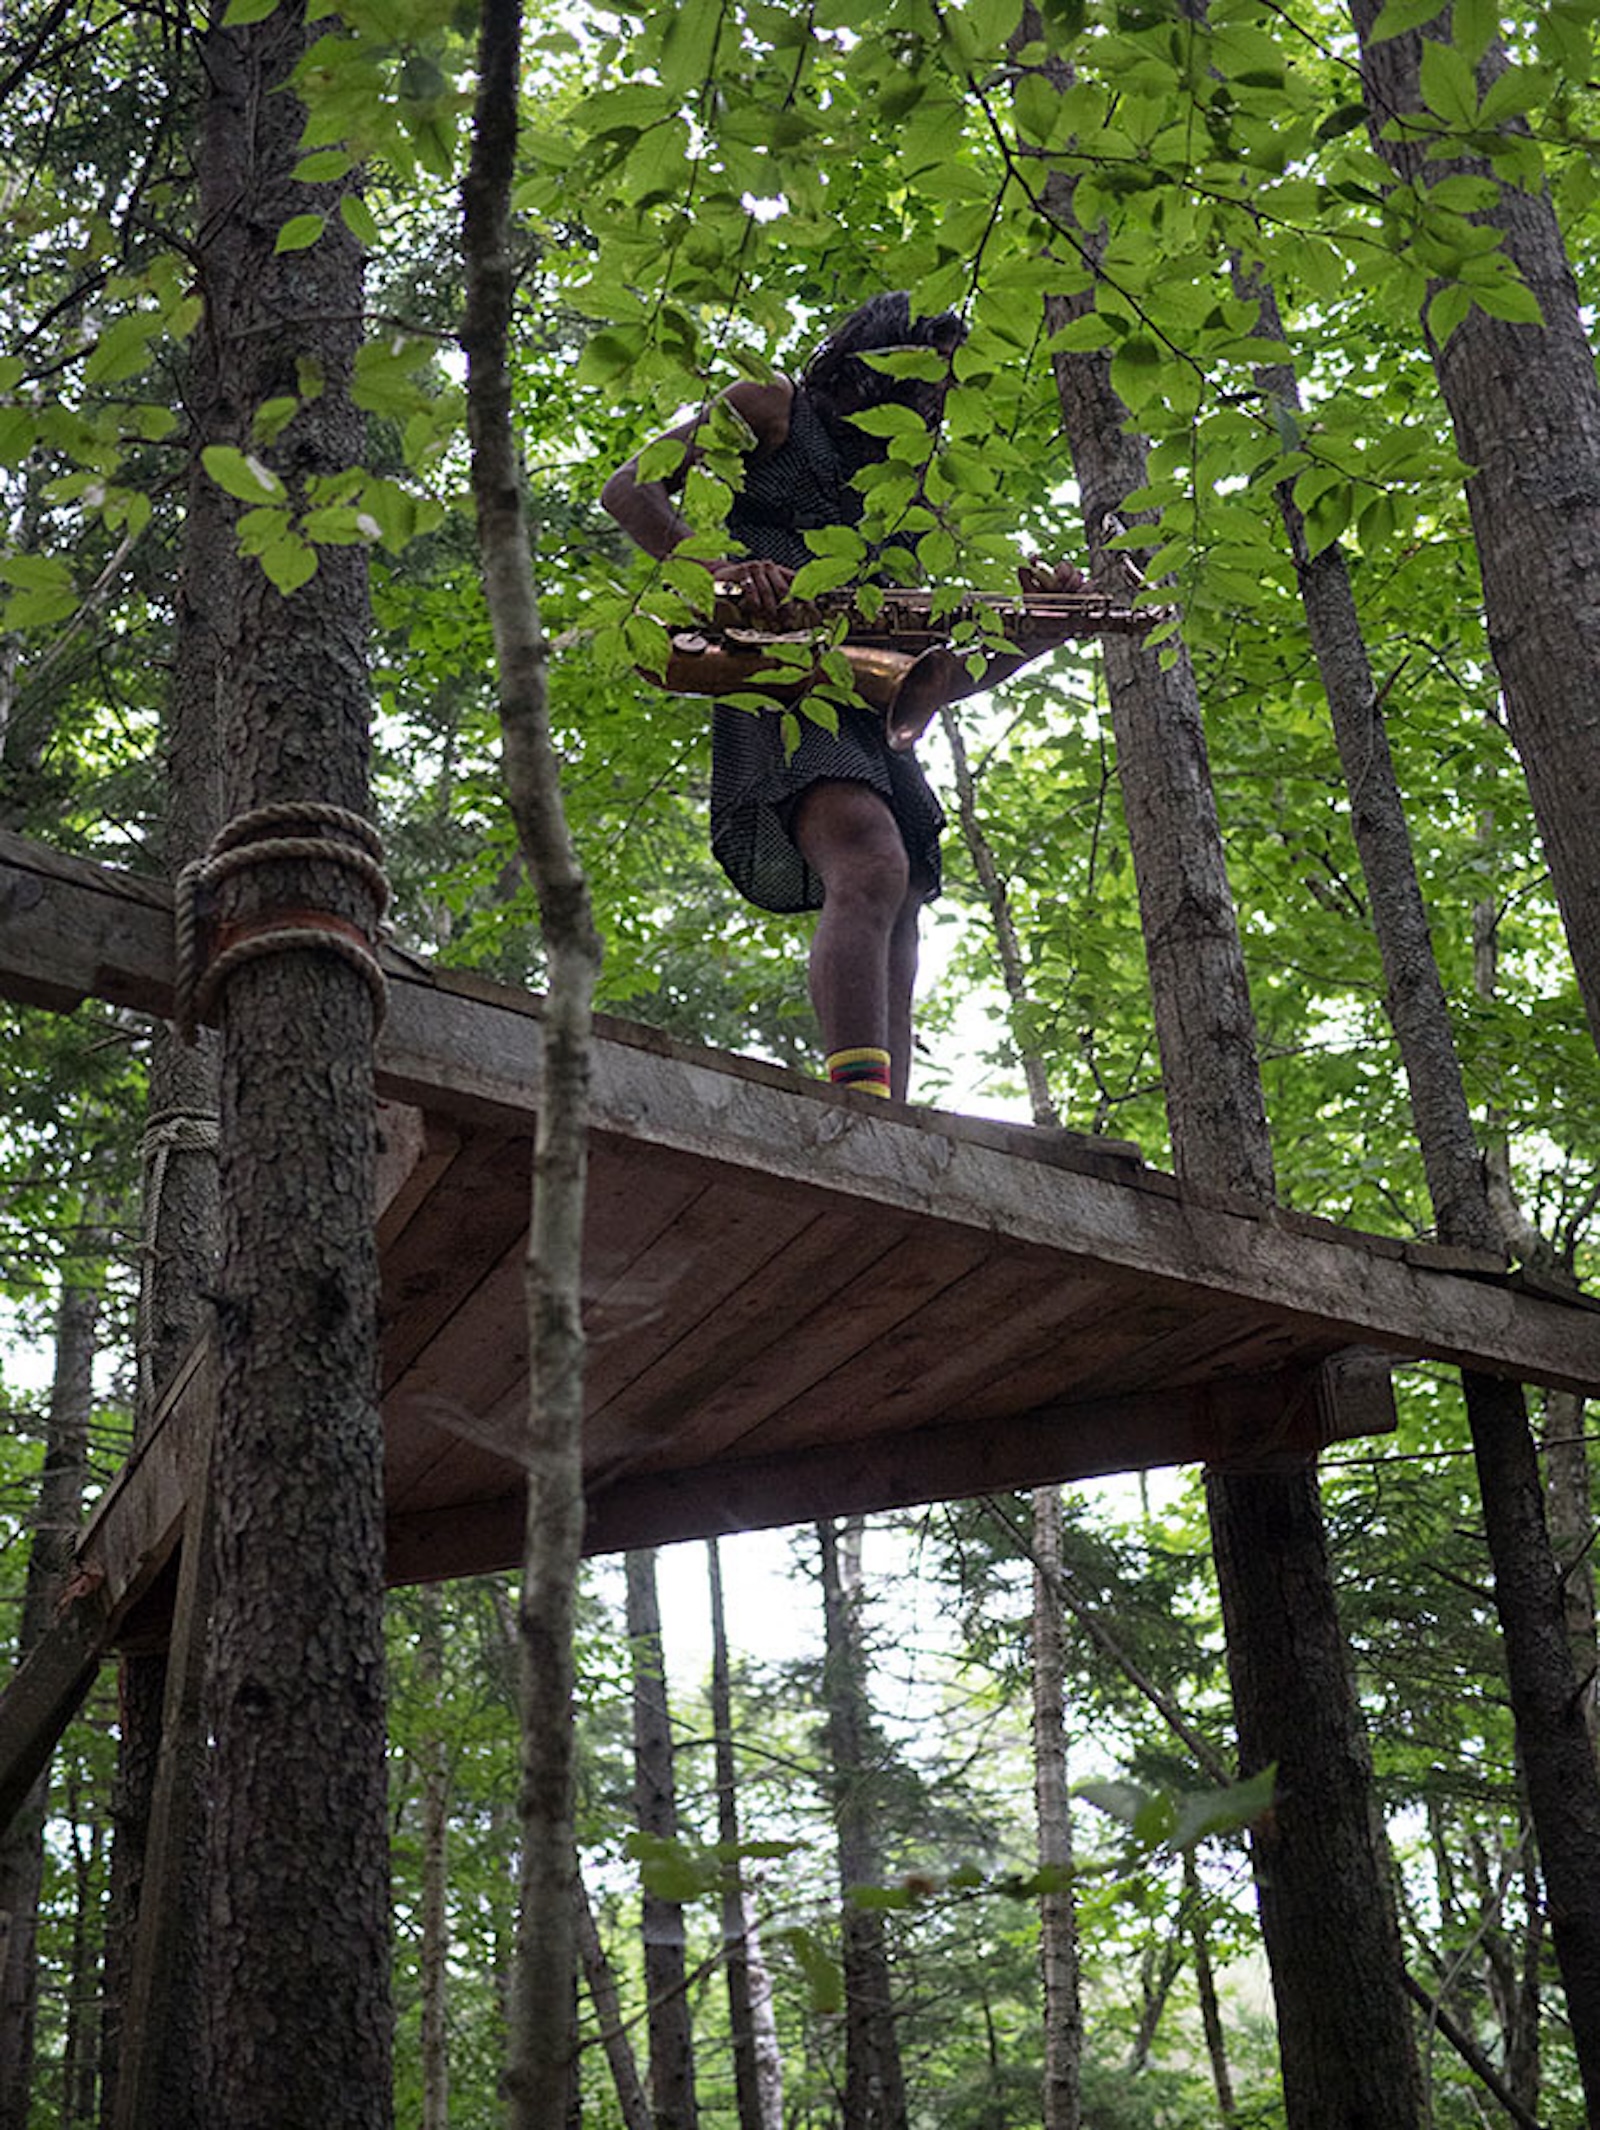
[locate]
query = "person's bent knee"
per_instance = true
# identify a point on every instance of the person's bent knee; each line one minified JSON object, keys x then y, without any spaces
{"x":851,"y":840}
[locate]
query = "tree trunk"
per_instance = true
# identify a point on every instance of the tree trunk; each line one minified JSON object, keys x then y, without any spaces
{"x":1525,"y":404}
{"x":1348,"y":2055}
{"x":434,"y":1956}
{"x":297,"y":1859}
{"x":1206,"y":1987}
{"x":632,"y":2100}
{"x":542,"y":2034}
{"x":759,"y":2097}
{"x":656,"y":1814}
{"x":1058,"y":1927}
{"x":874,"y":2090}
{"x":1569,"y":1498}
{"x":57,"y":1510}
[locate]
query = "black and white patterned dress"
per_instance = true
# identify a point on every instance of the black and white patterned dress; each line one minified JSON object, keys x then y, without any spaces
{"x":803,"y":486}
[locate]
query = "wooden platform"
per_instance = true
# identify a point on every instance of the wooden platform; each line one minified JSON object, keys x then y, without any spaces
{"x":800,"y":1302}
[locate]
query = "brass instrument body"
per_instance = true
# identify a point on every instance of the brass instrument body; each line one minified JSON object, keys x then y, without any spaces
{"x":902,"y":661}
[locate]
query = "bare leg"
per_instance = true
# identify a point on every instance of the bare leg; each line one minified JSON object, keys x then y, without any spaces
{"x":902,"y":984}
{"x":862,"y":960}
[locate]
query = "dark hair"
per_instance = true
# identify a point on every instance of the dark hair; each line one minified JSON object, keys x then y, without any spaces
{"x":835,"y":371}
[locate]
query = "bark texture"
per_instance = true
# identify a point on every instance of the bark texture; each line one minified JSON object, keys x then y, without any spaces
{"x":298,"y":1952}
{"x":1526,"y":409}
{"x":56,"y":1516}
{"x":655,"y":1803}
{"x":1058,"y":1924}
{"x":874,"y":2090}
{"x":1348,"y":2056}
{"x":542,"y":2034}
{"x":758,"y":2084}
{"x":632,"y":2100}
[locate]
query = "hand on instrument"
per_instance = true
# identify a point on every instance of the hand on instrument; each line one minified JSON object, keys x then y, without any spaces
{"x":1037,"y":575}
{"x":763,"y":586}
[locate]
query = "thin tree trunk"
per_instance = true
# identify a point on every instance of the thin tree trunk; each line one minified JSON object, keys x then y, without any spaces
{"x":56,"y":1514}
{"x":181,"y":1216}
{"x":874,"y":2092}
{"x":541,"y":2040}
{"x":1525,"y":404}
{"x":1322,"y":1868}
{"x":632,"y":2099}
{"x":434,"y":1958}
{"x":1569,"y":1501}
{"x":1158,"y":1970}
{"x":656,"y":1814}
{"x":1058,"y":1926}
{"x":759,"y":2098}
{"x":1013,"y":969}
{"x":297,"y":1860}
{"x":1206,"y":1988}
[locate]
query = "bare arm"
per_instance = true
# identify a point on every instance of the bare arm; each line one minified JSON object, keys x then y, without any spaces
{"x":648,"y":514}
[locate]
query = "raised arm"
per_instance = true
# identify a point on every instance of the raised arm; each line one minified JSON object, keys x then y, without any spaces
{"x":649,"y":515}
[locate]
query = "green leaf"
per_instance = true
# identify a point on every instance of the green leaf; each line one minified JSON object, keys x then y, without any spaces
{"x":123,"y":348}
{"x":289,"y":563}
{"x":300,"y":232}
{"x":1402,"y":15}
{"x":1510,"y":299}
{"x":822,"y":1974}
{"x":1474,"y":25}
{"x":240,"y":13}
{"x":18,"y":432}
{"x":1446,"y":309}
{"x":272,"y":417}
{"x":1091,"y":331}
{"x":358,"y":218}
{"x":324,"y":167}
{"x":610,"y":355}
{"x":242,"y":477}
{"x":1448,"y":86}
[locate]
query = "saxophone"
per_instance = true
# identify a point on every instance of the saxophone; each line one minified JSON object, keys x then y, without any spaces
{"x":903,"y":658}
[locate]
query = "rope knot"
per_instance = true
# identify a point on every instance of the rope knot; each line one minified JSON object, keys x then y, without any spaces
{"x":208,"y":951}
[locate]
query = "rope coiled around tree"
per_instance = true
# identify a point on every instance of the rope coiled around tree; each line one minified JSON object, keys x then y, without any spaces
{"x":289,"y":830}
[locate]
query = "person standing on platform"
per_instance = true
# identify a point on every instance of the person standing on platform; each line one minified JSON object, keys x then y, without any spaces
{"x":844,"y":823}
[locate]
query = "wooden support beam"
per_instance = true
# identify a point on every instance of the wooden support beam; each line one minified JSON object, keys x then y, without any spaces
{"x":47,"y":1690}
{"x":155,"y":1970}
{"x":1244,"y":1421}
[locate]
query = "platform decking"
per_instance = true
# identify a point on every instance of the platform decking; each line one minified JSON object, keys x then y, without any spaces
{"x":800,"y":1302}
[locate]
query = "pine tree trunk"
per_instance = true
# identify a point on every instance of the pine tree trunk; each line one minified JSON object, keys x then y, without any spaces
{"x":1569,"y":1499}
{"x":874,"y":2090}
{"x":656,"y":1814}
{"x":1206,"y":1989}
{"x":1348,"y":2056}
{"x":632,"y":2101}
{"x":1058,"y":1926}
{"x":434,"y":1955}
{"x":1525,"y":404}
{"x":759,"y":2098}
{"x":542,"y":2035}
{"x":57,"y":1510}
{"x":297,"y":1859}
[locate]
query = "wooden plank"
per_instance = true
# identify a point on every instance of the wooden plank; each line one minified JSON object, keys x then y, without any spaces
{"x":477,"y":1212}
{"x":147,"y":2027}
{"x":138,"y":1520}
{"x":915,"y":1270}
{"x":414,"y":1150}
{"x":47,"y":1689}
{"x":735,"y":1364}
